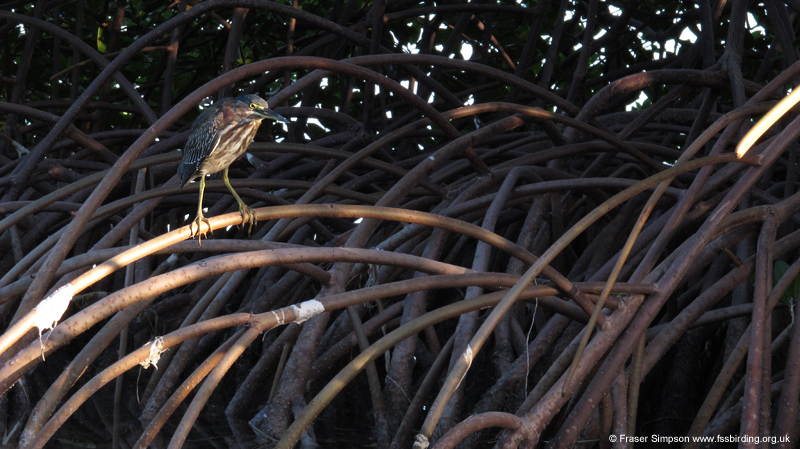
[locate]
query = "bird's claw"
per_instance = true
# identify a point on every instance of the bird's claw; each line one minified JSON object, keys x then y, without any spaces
{"x":248,"y":217}
{"x":198,"y":221}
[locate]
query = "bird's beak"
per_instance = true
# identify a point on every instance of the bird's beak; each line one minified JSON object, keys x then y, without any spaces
{"x":272,"y":115}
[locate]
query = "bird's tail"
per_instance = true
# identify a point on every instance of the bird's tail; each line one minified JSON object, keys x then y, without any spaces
{"x":186,"y":173}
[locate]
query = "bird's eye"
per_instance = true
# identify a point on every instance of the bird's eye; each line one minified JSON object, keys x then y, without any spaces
{"x":252,"y":105}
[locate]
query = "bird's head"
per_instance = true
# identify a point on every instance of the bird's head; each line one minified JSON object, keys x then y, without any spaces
{"x":257,"y":108}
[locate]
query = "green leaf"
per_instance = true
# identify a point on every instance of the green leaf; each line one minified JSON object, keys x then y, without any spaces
{"x":779,"y":270}
{"x":101,"y":47}
{"x":793,"y":291}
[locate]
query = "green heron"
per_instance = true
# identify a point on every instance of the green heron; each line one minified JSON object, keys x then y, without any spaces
{"x":218,"y":137}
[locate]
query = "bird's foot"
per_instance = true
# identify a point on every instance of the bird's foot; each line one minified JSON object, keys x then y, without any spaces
{"x":198,"y":221}
{"x":248,"y":217}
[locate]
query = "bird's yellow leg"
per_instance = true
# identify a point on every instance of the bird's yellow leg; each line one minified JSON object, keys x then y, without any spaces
{"x":248,"y":216}
{"x":200,"y":219}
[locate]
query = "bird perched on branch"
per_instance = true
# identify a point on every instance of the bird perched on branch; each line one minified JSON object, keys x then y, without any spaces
{"x":218,"y":137}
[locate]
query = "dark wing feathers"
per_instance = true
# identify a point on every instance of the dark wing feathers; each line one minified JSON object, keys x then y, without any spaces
{"x":203,"y":138}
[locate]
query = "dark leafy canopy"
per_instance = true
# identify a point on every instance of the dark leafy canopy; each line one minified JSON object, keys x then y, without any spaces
{"x":514,"y":128}
{"x":653,"y":35}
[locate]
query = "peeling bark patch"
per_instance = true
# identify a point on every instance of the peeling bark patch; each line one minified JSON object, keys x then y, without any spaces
{"x":156,"y":349}
{"x":307,"y":309}
{"x":50,"y":310}
{"x":468,"y":356}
